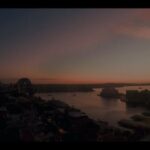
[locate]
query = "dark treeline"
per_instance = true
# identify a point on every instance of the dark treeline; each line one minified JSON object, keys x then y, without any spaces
{"x":78,"y":87}
{"x":62,"y":88}
{"x":72,"y":87}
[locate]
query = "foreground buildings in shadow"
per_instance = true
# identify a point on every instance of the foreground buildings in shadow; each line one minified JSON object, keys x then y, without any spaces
{"x":24,"y":87}
{"x":26,"y":118}
{"x":138,"y":98}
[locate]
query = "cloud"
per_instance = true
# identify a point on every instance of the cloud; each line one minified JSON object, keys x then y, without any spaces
{"x":134,"y":31}
{"x":137,"y":25}
{"x":142,"y":14}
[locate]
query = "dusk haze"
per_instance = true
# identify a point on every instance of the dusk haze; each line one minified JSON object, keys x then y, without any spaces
{"x":75,"y":45}
{"x":74,"y":75}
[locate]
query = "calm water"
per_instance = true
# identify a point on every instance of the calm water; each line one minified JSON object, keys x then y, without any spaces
{"x":95,"y":106}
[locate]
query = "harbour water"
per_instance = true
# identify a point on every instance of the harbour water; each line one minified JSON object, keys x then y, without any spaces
{"x":96,"y":107}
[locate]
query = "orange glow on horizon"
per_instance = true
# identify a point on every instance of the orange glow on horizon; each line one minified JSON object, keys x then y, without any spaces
{"x":70,"y":80}
{"x":73,"y":81}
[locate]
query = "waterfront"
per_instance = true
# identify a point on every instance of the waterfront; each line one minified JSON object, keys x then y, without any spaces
{"x":96,"y":107}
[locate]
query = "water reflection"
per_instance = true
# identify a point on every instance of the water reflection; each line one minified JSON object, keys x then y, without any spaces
{"x":96,"y":107}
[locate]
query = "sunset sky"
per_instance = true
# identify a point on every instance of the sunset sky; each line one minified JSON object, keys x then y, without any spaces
{"x":75,"y":45}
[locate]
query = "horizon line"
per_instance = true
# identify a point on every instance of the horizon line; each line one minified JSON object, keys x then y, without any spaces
{"x":63,"y":81}
{"x":75,"y":83}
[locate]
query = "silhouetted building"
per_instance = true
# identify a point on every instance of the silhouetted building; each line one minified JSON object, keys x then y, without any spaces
{"x":138,"y":98}
{"x":24,"y":87}
{"x":109,"y":92}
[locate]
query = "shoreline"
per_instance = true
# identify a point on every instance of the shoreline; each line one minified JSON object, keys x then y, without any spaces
{"x":34,"y":119}
{"x":28,"y":118}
